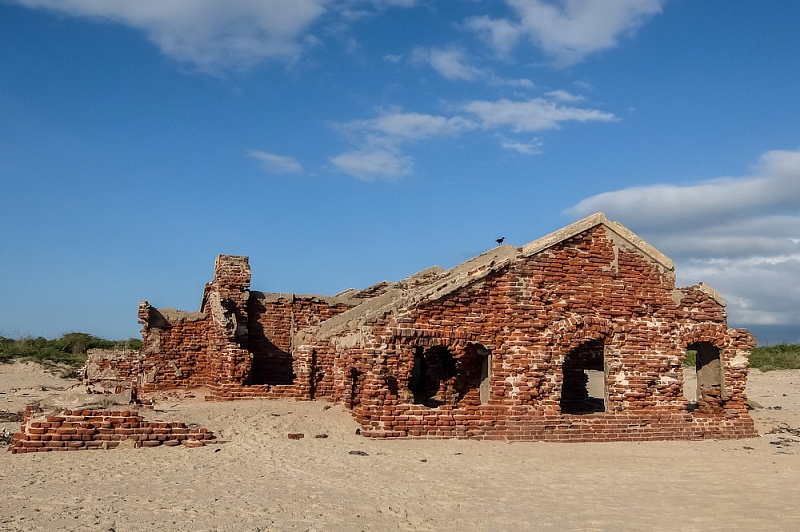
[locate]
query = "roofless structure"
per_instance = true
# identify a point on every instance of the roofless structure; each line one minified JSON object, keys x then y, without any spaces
{"x":577,"y":336}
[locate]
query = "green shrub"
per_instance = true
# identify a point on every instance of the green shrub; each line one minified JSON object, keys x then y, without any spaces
{"x":784,"y":356}
{"x":70,"y":349}
{"x":690,"y":360}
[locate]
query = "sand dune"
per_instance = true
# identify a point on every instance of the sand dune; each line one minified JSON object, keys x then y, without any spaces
{"x":261,"y":480}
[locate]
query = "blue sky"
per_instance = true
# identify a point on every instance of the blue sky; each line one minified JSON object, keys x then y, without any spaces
{"x":339,"y":143}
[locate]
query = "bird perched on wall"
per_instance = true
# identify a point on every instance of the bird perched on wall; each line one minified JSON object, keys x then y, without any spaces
{"x":500,"y":240}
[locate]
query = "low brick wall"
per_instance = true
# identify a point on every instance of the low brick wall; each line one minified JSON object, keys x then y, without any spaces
{"x":524,"y":424}
{"x":75,"y":430}
{"x":230,"y":392}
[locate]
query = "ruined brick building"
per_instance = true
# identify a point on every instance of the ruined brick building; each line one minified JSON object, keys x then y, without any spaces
{"x":577,"y":336}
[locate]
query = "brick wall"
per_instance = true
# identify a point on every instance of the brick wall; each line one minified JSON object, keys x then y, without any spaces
{"x":175,"y":349}
{"x":510,"y":353}
{"x":74,"y":430}
{"x":531,"y":316}
{"x":274,"y":320}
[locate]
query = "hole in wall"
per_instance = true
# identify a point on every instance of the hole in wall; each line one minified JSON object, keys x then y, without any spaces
{"x":439,"y":378}
{"x":708,"y":386}
{"x":584,"y":376}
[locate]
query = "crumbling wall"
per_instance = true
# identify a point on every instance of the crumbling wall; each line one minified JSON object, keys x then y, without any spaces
{"x":110,"y":369}
{"x":529,"y":316}
{"x":497,"y":348}
{"x":225,"y":300}
{"x":74,"y":430}
{"x":238,"y":345}
{"x":112,"y":372}
{"x":175,"y":350}
{"x":274,"y":320}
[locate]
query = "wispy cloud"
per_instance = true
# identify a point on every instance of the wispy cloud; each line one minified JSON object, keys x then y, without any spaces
{"x":528,"y":148}
{"x":564,"y":96}
{"x":454,"y":65}
{"x":276,"y":164}
{"x":450,"y":64}
{"x":397,"y":126}
{"x":565,"y":30}
{"x":210,"y":35}
{"x":373,"y":164}
{"x":536,"y":114}
{"x":773,"y":186}
{"x":381,"y":140}
{"x":501,"y":34}
{"x":741,"y":235}
{"x":521,"y":83}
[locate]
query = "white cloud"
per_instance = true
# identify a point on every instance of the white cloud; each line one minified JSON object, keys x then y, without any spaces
{"x":276,"y":164}
{"x":528,"y":148}
{"x":500,"y":34}
{"x":522,"y":83}
{"x":395,"y":127}
{"x":774,"y":186}
{"x":211,"y":35}
{"x":536,"y":114}
{"x":381,"y":138}
{"x":740,"y":235}
{"x":453,"y":65}
{"x":450,"y":64}
{"x":394,"y":3}
{"x":566,"y":30}
{"x":372,"y":164}
{"x":393,"y":58}
{"x":757,"y":290}
{"x":564,"y":96}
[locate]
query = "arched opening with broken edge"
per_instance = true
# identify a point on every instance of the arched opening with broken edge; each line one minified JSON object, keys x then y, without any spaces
{"x":584,"y":377}
{"x":473,"y":376}
{"x":439,"y":377}
{"x":433,"y":376}
{"x":703,"y":376}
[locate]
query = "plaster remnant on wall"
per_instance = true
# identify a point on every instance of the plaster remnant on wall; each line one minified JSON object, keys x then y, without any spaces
{"x":222,"y":316}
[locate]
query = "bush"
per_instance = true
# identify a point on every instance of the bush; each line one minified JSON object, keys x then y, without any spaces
{"x":70,"y":349}
{"x":784,"y":356}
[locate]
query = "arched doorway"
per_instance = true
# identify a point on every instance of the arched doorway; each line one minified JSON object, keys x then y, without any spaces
{"x":704,"y":382}
{"x":584,"y":376}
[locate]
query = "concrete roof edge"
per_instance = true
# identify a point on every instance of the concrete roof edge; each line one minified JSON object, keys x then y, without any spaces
{"x":641,"y":244}
{"x":710,"y":292}
{"x":273,"y":297}
{"x":398,"y":297}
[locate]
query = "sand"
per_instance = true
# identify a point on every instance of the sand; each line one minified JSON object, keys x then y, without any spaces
{"x":261,"y":480}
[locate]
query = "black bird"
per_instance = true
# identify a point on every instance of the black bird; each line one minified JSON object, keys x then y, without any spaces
{"x":500,"y":240}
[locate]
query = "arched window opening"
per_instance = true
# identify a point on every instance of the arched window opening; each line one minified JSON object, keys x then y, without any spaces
{"x":584,"y":376}
{"x":432,"y":377}
{"x":472,"y":383}
{"x":703,"y":376}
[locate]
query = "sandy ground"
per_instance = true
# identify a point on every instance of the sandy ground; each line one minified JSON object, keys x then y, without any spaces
{"x":261,"y":480}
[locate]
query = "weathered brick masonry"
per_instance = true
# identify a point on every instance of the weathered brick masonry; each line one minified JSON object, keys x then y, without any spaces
{"x":577,"y":336}
{"x":74,"y":430}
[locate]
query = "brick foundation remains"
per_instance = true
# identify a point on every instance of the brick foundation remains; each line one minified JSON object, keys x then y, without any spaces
{"x":577,"y":336}
{"x":74,"y":430}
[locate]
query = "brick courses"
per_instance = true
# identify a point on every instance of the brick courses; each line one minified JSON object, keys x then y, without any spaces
{"x":74,"y":430}
{"x":501,"y":347}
